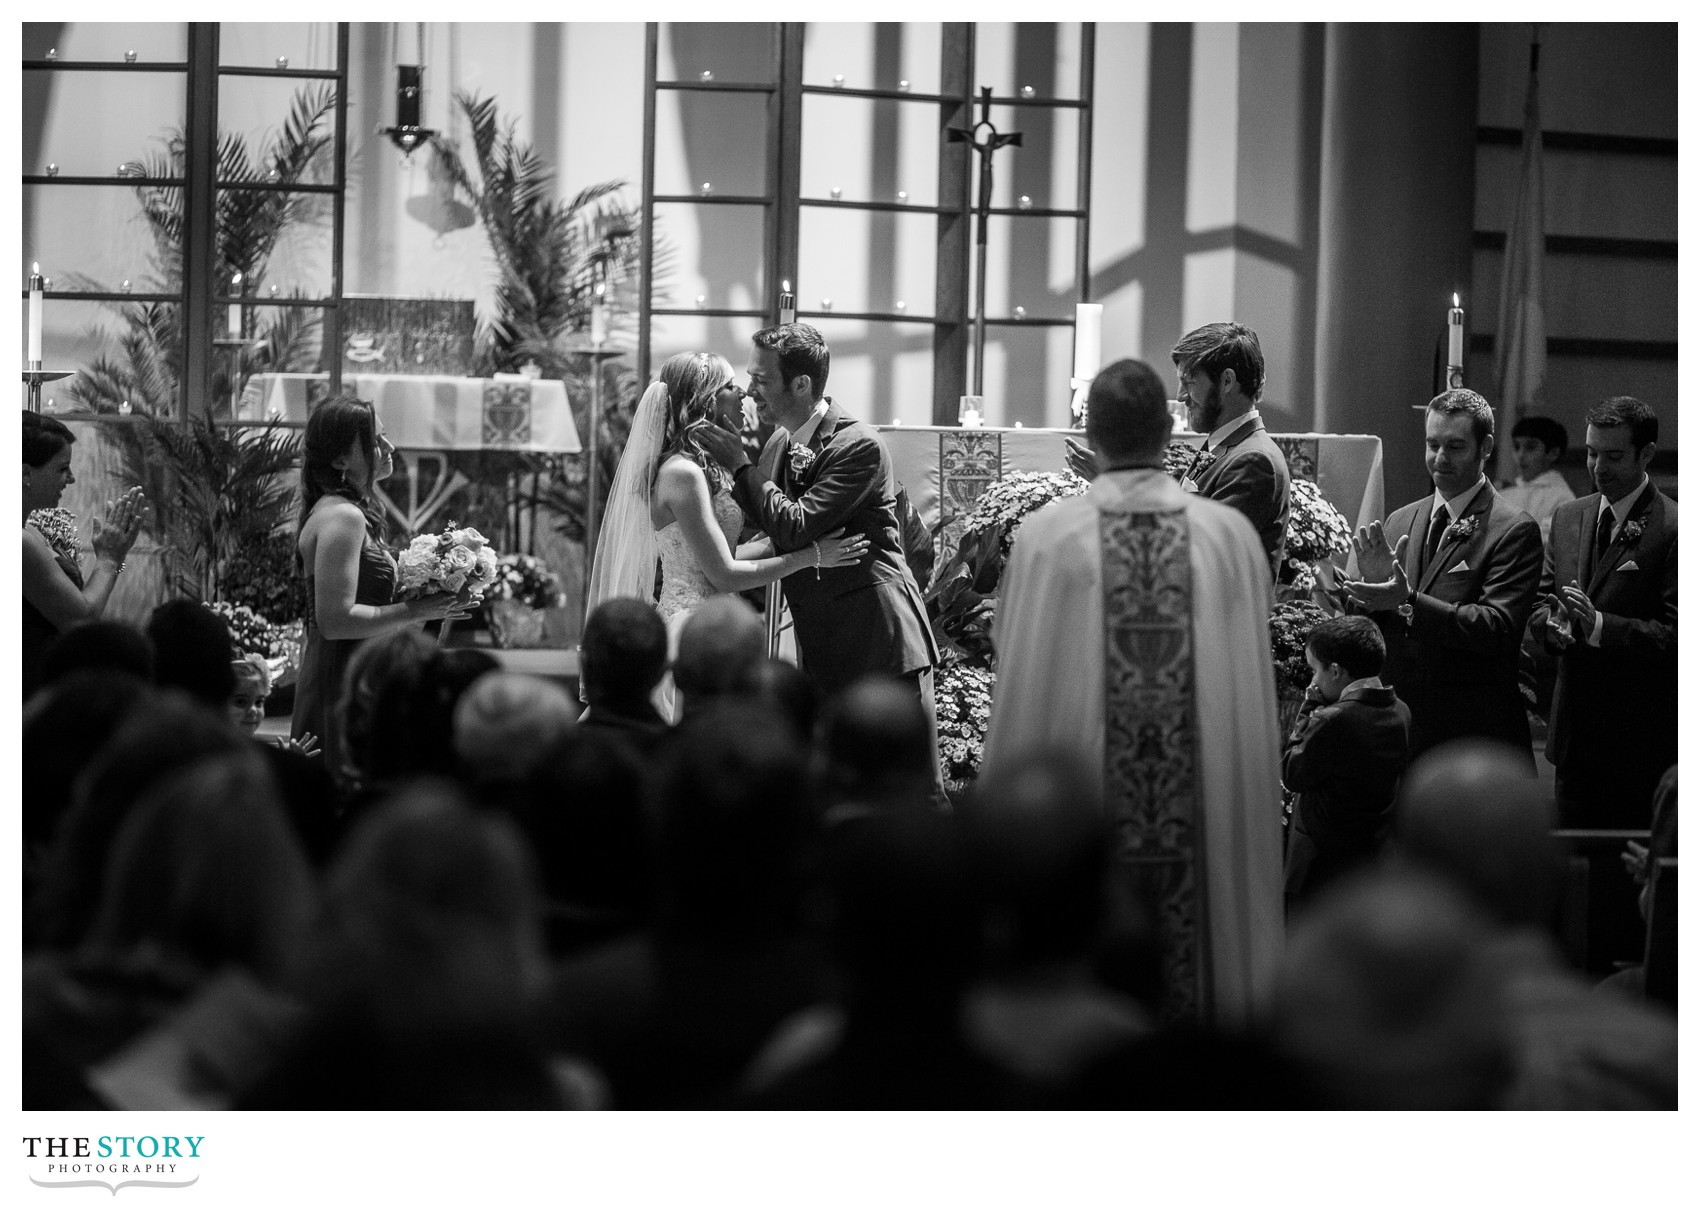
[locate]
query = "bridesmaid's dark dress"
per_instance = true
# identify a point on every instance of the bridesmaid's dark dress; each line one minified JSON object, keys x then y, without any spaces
{"x":323,"y":662}
{"x":39,"y":631}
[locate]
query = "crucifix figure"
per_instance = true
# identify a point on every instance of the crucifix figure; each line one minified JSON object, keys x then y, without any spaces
{"x":986,"y":140}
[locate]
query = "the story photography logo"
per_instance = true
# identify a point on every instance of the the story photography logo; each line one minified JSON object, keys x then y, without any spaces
{"x":112,"y":1161}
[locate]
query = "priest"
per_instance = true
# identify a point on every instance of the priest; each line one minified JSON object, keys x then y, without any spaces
{"x":1133,"y":626}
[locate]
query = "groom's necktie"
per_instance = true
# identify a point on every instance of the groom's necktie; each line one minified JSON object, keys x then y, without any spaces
{"x":1607,"y":519}
{"x":1436,"y":527}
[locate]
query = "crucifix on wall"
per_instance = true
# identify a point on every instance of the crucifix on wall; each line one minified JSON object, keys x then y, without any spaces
{"x":985,"y":139}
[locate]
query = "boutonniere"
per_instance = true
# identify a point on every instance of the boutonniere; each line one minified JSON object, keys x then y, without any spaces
{"x":1632,"y":530}
{"x":1463,"y":528}
{"x":802,"y":458}
{"x":1200,"y":464}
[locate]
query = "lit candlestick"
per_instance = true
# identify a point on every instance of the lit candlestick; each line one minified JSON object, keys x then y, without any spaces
{"x":35,"y":316}
{"x":236,"y":308}
{"x":599,"y":314}
{"x":1088,"y":340}
{"x":1455,"y":344}
{"x":787,"y":303}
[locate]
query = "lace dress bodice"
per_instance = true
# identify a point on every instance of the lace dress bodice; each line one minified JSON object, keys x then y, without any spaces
{"x":683,"y":585}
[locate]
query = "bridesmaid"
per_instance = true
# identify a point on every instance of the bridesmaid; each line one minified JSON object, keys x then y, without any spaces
{"x":351,"y":577}
{"x":56,"y":595}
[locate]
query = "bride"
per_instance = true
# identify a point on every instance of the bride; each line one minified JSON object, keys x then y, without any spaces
{"x":671,"y":501}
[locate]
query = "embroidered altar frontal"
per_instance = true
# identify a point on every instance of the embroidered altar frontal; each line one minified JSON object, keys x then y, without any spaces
{"x":1151,"y":775}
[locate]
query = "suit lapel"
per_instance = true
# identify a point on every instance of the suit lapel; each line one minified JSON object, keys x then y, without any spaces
{"x":1618,"y":550}
{"x":1449,"y":544}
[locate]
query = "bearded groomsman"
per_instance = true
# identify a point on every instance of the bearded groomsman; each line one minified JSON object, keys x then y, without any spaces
{"x":1607,"y":608}
{"x":1451,"y":580}
{"x":1220,"y":369}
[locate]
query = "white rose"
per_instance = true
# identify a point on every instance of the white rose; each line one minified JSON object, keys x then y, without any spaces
{"x":459,"y":559}
{"x":423,"y":542}
{"x":453,"y":581}
{"x":469,"y":538}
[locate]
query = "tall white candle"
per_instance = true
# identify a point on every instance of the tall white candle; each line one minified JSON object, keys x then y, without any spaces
{"x":35,"y":313}
{"x":1455,"y":334}
{"x":598,"y":316}
{"x":236,"y":308}
{"x":1088,"y":339}
{"x":787,"y":303}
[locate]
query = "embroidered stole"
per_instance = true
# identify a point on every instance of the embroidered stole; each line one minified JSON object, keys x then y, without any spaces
{"x":1152,"y":775}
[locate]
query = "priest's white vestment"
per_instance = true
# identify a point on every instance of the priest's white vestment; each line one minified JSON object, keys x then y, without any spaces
{"x":1054,"y":663}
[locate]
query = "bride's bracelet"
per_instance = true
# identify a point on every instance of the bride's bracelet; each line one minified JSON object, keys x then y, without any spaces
{"x":816,"y":546}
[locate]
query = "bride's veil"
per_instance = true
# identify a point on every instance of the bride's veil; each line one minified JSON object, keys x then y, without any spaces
{"x":625,"y":547}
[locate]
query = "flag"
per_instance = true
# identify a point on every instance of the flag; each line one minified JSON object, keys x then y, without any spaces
{"x":1520,"y":346}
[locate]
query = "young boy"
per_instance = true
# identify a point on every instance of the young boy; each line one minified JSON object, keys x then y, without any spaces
{"x":1538,"y":443}
{"x":1344,"y":758}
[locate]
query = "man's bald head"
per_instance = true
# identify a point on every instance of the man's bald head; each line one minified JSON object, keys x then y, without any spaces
{"x":1472,"y":812}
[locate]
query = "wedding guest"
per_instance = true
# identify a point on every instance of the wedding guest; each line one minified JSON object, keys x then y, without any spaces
{"x":1344,"y":758}
{"x":502,"y":725}
{"x":1388,"y":999}
{"x":719,"y":643}
{"x":171,"y":733}
{"x":114,"y":647}
{"x":873,"y":749}
{"x":783,"y":688}
{"x":203,"y":876}
{"x":622,"y":657}
{"x":309,"y":795}
{"x":1471,"y":814}
{"x":1450,"y":579}
{"x":192,"y":652}
{"x":1538,"y":443}
{"x":56,"y":597}
{"x":351,"y":576}
{"x":408,"y":731}
{"x":1607,"y":610}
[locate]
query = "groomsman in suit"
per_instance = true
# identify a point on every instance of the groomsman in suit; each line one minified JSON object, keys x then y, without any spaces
{"x":1451,"y":579}
{"x":1607,"y":608}
{"x":1220,"y":367}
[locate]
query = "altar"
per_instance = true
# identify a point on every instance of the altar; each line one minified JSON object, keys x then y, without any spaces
{"x":433,"y":412}
{"x":946,"y":469}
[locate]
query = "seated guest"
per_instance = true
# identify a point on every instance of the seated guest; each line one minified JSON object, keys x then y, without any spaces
{"x":873,"y":748}
{"x":374,"y":664}
{"x":503,"y":724}
{"x":309,"y":795}
{"x":1039,"y":857}
{"x":203,"y":877}
{"x":65,"y":729}
{"x":1471,"y":814}
{"x":786,"y":690}
{"x":902,"y":932}
{"x":717,"y":645}
{"x":581,"y":808}
{"x":672,"y":1016}
{"x":1388,"y":1000}
{"x":1540,"y":488}
{"x":171,"y":733}
{"x":56,"y":597}
{"x":1344,"y":757}
{"x":417,"y":972}
{"x":622,"y":657}
{"x":402,"y":727}
{"x":114,"y":647}
{"x":192,"y":652}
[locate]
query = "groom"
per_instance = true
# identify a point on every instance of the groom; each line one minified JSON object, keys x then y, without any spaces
{"x":833,"y":472}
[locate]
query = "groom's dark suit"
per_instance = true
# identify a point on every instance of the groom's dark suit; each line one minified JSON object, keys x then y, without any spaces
{"x":866,"y":618}
{"x":1454,"y":661}
{"x":1613,"y":730}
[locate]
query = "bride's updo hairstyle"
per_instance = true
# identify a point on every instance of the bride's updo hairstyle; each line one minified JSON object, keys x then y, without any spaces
{"x":332,"y":428}
{"x":692,"y":381}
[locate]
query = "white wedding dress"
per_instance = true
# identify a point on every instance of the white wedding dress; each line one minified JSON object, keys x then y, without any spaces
{"x":684,"y":587}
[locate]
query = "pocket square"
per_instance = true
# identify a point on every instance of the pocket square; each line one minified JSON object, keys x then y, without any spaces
{"x":1629,"y":566}
{"x":1460,"y":566}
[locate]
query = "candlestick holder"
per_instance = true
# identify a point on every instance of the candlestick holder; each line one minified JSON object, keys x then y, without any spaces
{"x":1454,"y":377}
{"x":35,"y":376}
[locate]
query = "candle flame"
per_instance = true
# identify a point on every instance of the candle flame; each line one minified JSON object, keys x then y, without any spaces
{"x":35,"y":267}
{"x":785,"y":286}
{"x":236,"y":278}
{"x":1455,"y":298}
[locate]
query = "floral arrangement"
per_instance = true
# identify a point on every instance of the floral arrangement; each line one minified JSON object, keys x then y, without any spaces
{"x":1290,"y":625}
{"x":262,"y":575}
{"x":962,"y":696}
{"x":250,"y":631}
{"x":527,"y":580}
{"x":1316,"y":532}
{"x":454,"y":561}
{"x":59,"y":528}
{"x":1005,"y":505}
{"x":1181,"y":457}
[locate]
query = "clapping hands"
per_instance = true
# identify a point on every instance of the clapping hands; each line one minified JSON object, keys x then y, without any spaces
{"x":114,"y":535}
{"x":1383,"y":584}
{"x":1570,"y":615}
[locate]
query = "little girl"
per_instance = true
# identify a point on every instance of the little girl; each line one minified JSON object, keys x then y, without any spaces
{"x":248,"y":702}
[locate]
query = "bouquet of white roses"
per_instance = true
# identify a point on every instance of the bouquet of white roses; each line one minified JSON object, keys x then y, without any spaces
{"x":454,"y":561}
